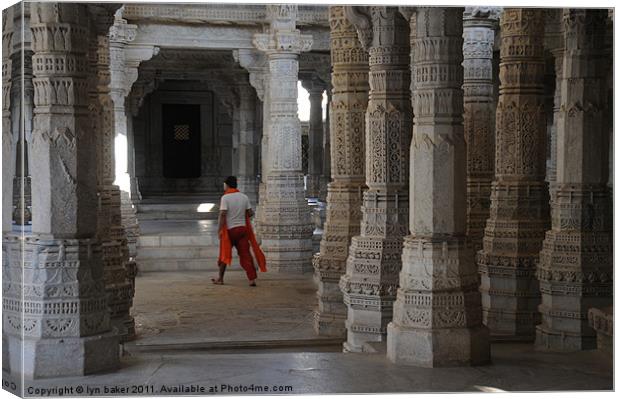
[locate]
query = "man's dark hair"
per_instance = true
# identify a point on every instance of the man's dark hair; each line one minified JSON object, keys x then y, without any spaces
{"x":231,"y":181}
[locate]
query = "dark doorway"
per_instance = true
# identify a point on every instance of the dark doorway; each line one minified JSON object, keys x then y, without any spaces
{"x":181,"y":139}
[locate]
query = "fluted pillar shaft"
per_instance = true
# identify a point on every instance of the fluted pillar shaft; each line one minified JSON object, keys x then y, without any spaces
{"x":519,"y":196}
{"x":369,"y":285}
{"x":576,"y":266}
{"x":344,"y":193}
{"x":479,"y":26}
{"x":60,"y":322}
{"x":285,"y":228}
{"x":437,"y":314}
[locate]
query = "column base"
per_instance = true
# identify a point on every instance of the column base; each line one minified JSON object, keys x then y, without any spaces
{"x":136,"y":195}
{"x":510,"y":326}
{"x":6,"y":360}
{"x":561,"y":341}
{"x":449,"y":347}
{"x":360,"y":334}
{"x":63,"y":357}
{"x":288,"y":262}
{"x":330,"y":324}
{"x":331,"y":314}
{"x":312,"y":186}
{"x":125,"y":328}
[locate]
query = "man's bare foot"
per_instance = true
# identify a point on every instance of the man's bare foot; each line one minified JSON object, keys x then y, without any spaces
{"x":253,"y":283}
{"x":217,"y":281}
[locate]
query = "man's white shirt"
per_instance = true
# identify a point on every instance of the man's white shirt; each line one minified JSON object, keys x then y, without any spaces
{"x":235,"y":205}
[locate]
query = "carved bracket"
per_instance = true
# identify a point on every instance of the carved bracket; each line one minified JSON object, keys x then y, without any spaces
{"x":360,"y":18}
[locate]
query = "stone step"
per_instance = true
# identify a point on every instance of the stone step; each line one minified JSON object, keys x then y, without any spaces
{"x":177,"y":216}
{"x":179,"y":207}
{"x":374,"y":347}
{"x":178,"y":252}
{"x":156,"y":241}
{"x":170,"y":265}
{"x":235,"y":345}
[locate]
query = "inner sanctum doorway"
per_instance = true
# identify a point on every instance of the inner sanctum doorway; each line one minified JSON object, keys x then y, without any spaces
{"x":181,"y":140}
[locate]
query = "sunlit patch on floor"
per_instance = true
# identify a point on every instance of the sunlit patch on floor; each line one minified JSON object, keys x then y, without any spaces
{"x":488,"y":389}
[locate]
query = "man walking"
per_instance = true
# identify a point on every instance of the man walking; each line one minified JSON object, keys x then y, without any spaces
{"x":235,"y":230}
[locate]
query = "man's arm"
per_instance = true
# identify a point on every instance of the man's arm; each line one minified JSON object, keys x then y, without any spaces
{"x":221,"y":219}
{"x":249,"y":213}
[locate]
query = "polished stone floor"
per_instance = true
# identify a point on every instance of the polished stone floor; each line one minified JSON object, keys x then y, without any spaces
{"x":515,"y":367}
{"x":193,"y":334}
{"x":186,"y":307}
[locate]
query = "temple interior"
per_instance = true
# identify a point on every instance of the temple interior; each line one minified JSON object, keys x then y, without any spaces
{"x":432,"y":189}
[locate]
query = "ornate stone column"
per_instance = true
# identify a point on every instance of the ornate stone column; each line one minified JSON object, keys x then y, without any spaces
{"x":327,"y":169}
{"x":519,"y":203}
{"x":315,"y":137}
{"x":55,"y":312}
{"x":235,"y":136}
{"x":8,"y":142}
{"x":8,"y":171}
{"x":248,"y":164}
{"x":117,"y":266}
{"x":124,"y":62}
{"x":479,"y":24}
{"x":344,"y":193}
{"x":22,"y":93}
{"x":437,"y":314}
{"x":576,"y":264}
{"x":554,"y":41}
{"x":286,"y":228}
{"x":264,"y":151}
{"x":254,"y":62}
{"x":371,"y":279}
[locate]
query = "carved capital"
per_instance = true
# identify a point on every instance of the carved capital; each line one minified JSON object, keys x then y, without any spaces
{"x":283,"y":42}
{"x":121,"y":31}
{"x":360,"y":18}
{"x":313,"y":86}
{"x":482,"y":12}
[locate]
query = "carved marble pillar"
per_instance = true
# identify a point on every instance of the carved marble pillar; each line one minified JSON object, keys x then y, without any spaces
{"x":344,"y":193}
{"x":555,"y":43}
{"x":437,"y":313}
{"x":22,"y":92}
{"x":8,"y":170}
{"x":286,"y":228}
{"x":58,"y":323}
{"x":519,"y":213}
{"x":576,"y":264}
{"x":264,"y":150}
{"x":124,"y":62}
{"x":254,"y":62}
{"x":8,"y":141}
{"x":371,"y":279}
{"x":479,"y":24}
{"x":248,"y":164}
{"x":235,"y":137}
{"x":110,"y":233}
{"x":315,"y":137}
{"x":327,"y":168}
